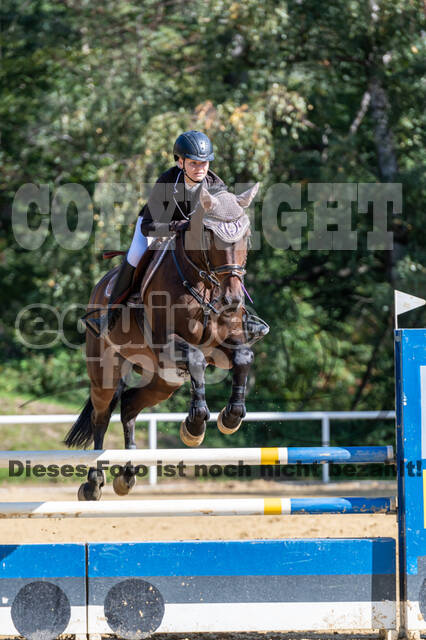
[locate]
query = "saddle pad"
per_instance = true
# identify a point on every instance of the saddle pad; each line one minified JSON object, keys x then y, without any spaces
{"x":158,"y":248}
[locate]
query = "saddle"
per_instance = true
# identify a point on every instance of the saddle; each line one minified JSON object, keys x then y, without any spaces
{"x":144,"y":272}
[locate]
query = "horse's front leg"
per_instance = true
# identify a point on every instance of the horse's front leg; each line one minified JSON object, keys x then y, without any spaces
{"x":231,"y":416}
{"x":193,"y":428}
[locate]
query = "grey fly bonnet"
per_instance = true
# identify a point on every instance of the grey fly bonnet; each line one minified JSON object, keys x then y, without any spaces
{"x":224,"y":213}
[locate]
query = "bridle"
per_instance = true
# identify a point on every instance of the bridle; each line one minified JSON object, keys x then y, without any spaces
{"x":224,"y":269}
{"x":208,"y":275}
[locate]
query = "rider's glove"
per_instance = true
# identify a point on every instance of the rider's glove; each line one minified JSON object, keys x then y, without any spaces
{"x":178,"y":225}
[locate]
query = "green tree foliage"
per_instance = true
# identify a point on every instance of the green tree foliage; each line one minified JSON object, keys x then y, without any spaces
{"x":296,"y":92}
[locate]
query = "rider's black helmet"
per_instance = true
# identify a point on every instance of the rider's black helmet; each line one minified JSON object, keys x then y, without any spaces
{"x":194,"y":145}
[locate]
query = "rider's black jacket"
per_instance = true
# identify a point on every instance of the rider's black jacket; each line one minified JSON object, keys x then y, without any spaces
{"x":171,"y":200}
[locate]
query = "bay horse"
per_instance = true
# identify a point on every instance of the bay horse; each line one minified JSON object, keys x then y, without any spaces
{"x":191,"y":315}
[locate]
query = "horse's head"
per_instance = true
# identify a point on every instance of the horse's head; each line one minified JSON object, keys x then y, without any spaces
{"x":219,"y":235}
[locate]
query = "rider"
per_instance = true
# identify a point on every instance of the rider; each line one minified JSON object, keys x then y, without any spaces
{"x":168,"y":210}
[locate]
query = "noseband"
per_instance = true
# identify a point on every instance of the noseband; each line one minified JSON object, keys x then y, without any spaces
{"x":231,"y":269}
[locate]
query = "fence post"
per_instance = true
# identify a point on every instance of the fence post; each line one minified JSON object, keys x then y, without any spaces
{"x":325,"y":437}
{"x":152,"y":443}
{"x":410,"y":375}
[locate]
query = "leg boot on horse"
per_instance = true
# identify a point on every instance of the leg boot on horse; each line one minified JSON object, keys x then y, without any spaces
{"x":231,"y":416}
{"x":126,"y":480}
{"x":193,"y":428}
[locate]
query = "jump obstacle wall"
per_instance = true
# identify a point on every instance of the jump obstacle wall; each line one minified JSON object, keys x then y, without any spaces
{"x":276,"y":585}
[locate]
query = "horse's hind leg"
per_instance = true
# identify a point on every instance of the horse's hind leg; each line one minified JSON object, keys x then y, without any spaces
{"x":104,"y":398}
{"x":127,"y":480}
{"x":103,"y":401}
{"x":133,"y":400}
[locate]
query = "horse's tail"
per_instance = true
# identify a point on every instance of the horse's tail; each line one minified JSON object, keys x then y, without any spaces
{"x":81,"y":432}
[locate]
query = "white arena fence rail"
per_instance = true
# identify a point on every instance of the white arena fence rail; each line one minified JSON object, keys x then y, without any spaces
{"x":325,"y":417}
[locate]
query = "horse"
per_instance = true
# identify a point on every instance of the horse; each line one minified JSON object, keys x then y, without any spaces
{"x":191,"y":314}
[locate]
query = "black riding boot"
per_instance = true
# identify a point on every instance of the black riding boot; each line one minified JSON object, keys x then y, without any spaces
{"x":254,"y":327}
{"x":102,"y":325}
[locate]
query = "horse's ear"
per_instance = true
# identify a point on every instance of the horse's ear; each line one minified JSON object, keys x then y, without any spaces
{"x":244,"y":199}
{"x":207,"y":201}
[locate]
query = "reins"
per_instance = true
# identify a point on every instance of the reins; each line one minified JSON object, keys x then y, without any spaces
{"x":206,"y":306}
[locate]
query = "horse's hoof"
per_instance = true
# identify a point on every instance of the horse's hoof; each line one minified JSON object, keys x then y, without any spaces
{"x":188,"y":439}
{"x":222,"y":428}
{"x":96,"y":477}
{"x":88,"y":491}
{"x":122,"y":486}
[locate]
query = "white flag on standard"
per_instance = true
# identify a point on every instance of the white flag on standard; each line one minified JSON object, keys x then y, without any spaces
{"x":405,"y":302}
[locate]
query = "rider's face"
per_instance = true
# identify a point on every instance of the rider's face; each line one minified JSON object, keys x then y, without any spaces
{"x":195,"y":170}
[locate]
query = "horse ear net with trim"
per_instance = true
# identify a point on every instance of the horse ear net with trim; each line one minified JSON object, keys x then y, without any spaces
{"x":208,"y":202}
{"x":245,"y":198}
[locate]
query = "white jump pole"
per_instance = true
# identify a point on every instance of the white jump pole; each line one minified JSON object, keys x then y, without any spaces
{"x":216,"y":507}
{"x":191,"y":457}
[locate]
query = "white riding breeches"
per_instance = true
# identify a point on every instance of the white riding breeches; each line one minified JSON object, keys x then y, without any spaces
{"x":138,"y":246}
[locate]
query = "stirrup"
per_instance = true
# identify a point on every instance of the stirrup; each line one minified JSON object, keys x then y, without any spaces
{"x":100,"y":327}
{"x":89,"y":327}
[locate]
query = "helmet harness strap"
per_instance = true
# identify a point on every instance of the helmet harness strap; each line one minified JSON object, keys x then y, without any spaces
{"x":175,"y":190}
